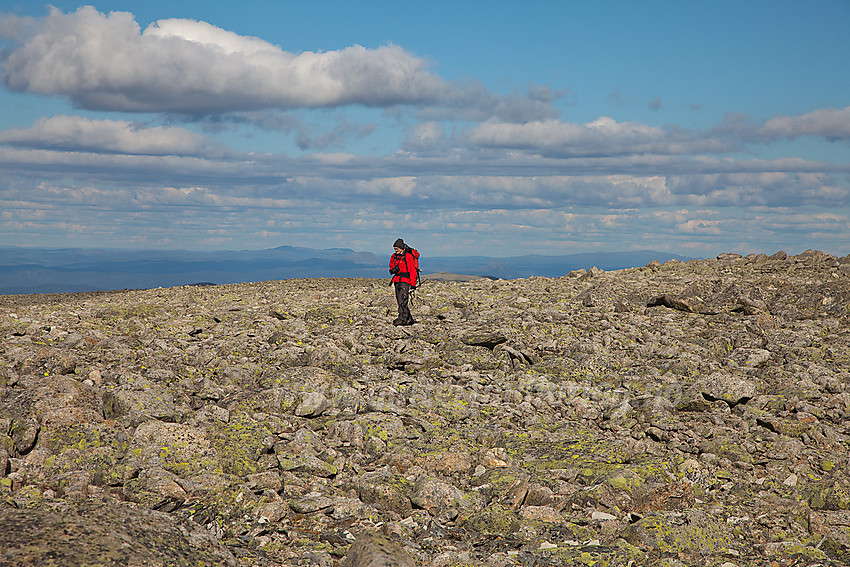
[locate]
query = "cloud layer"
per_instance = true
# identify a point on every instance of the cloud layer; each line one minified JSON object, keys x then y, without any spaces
{"x":106,"y":62}
{"x":75,"y":133}
{"x":473,"y":162}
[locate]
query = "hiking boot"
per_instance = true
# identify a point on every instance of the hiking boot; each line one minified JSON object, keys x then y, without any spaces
{"x":398,"y":322}
{"x":409,"y":322}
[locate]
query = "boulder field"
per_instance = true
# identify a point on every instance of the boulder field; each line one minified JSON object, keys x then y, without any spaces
{"x":692,"y":413}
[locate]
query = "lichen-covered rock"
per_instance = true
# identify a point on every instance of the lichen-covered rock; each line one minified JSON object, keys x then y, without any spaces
{"x":105,"y":534}
{"x":372,"y":550}
{"x":487,"y":338}
{"x":139,"y":406}
{"x":313,"y":405}
{"x":182,"y":449}
{"x":386,"y":491}
{"x":307,"y":464}
{"x":493,"y":519}
{"x":310,"y":503}
{"x":691,"y":412}
{"x":438,"y":497}
{"x":155,"y":488}
{"x":832,"y":494}
{"x":693,"y":530}
{"x":729,"y":388}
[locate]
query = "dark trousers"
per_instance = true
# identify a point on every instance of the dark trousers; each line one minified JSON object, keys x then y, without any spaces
{"x":402,"y":295}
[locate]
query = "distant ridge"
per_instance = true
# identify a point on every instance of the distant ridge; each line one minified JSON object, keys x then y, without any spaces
{"x":66,"y":270}
{"x":552,"y":266}
{"x":450,"y":277}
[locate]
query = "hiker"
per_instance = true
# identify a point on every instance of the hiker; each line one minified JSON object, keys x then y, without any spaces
{"x":404,"y":266}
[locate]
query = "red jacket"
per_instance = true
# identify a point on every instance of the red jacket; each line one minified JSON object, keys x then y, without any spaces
{"x":407,"y":264}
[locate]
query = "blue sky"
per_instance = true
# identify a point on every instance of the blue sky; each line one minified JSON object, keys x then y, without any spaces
{"x":497,"y":128}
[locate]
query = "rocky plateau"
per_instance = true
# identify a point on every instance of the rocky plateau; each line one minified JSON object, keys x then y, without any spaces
{"x":684,"y":413}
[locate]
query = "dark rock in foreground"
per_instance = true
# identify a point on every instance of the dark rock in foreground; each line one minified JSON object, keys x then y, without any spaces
{"x":94,"y":533}
{"x":678,"y":414}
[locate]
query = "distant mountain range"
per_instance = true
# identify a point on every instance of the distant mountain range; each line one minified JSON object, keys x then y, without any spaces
{"x":38,"y":270}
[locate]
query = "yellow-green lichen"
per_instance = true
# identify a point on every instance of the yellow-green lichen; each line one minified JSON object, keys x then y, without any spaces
{"x":239,"y":443}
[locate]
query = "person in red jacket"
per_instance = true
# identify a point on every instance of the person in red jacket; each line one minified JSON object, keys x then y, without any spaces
{"x":404,"y":266}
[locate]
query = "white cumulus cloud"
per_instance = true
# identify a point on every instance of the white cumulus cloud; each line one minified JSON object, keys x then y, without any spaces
{"x":107,"y":62}
{"x":104,"y":61}
{"x":209,"y":35}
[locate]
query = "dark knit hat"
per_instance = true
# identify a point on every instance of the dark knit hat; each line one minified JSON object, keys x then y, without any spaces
{"x":399,"y":244}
